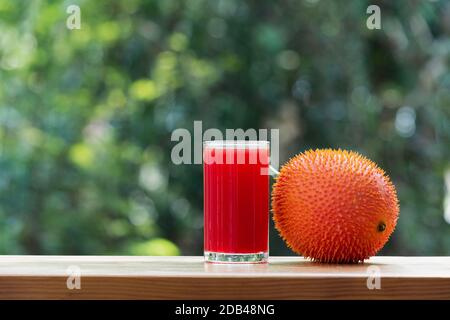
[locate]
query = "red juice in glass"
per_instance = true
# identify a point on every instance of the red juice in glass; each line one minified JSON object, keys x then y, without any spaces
{"x":236,"y":201}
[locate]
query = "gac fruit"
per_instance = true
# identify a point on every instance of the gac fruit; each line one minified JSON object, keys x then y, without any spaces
{"x":334,"y":206}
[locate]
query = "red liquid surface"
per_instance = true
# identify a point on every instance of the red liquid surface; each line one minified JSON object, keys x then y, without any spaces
{"x":236,"y":199}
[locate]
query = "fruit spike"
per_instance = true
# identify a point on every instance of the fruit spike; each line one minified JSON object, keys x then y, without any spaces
{"x":334,"y":206}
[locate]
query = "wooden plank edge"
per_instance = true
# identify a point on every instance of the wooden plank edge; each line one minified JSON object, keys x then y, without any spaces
{"x":129,"y":288}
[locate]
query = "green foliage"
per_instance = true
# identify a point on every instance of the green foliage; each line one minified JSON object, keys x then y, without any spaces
{"x":155,"y":247}
{"x":86,"y":115}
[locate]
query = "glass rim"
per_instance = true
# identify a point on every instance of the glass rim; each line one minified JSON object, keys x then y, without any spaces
{"x":236,"y":143}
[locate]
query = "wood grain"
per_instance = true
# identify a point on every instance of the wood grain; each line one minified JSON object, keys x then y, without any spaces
{"x":119,"y":277}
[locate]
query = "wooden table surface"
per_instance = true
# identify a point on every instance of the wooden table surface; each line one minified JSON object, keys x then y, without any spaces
{"x":131,"y":277}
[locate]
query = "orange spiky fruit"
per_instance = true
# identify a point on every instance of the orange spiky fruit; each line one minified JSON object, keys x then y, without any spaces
{"x":334,"y":206}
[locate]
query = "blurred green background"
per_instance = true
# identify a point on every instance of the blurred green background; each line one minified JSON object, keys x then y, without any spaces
{"x":86,"y":115}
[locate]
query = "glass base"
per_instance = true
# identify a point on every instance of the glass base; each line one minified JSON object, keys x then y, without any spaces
{"x":220,"y":257}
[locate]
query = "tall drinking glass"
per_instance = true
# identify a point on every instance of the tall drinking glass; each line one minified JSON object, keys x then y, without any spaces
{"x":236,"y":201}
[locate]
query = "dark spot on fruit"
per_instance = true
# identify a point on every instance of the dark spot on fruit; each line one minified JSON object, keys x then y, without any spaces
{"x":381,"y":226}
